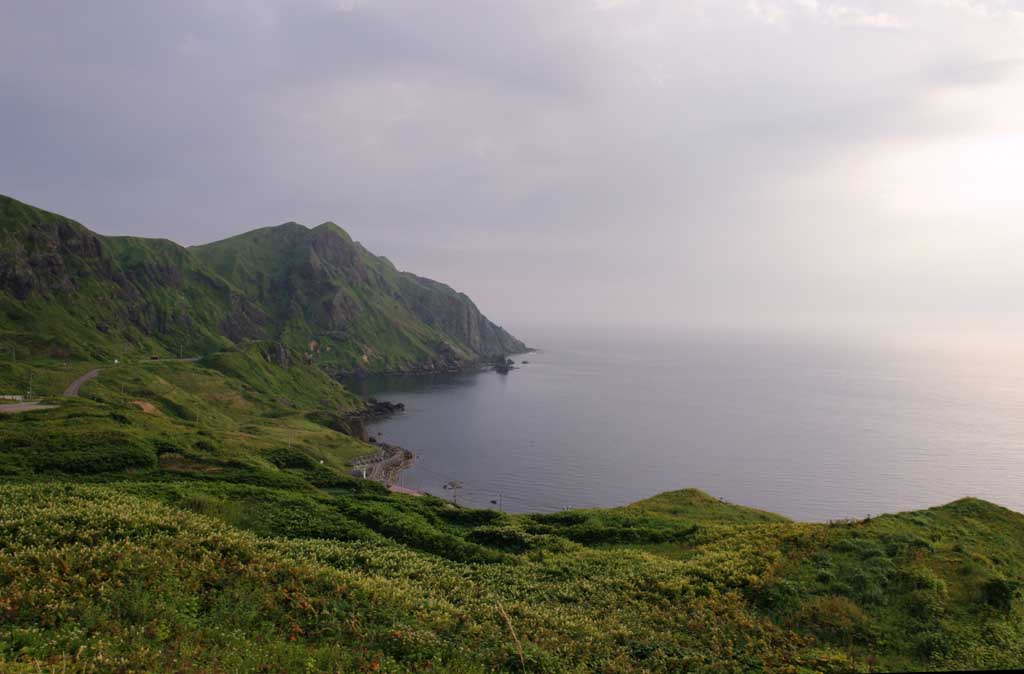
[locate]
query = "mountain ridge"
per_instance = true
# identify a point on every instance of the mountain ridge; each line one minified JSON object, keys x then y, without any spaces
{"x":312,"y":288}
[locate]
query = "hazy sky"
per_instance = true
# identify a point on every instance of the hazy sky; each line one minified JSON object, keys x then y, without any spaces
{"x":691,"y":161}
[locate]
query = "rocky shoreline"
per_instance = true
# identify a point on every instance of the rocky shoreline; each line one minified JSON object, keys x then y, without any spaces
{"x":385,"y":464}
{"x":378,"y":409}
{"x":483,"y":365}
{"x":355,"y":423}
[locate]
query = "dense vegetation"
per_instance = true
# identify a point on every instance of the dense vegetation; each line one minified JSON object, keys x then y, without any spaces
{"x":66,"y":292}
{"x":123,"y":576}
{"x":192,"y":517}
{"x":198,"y":516}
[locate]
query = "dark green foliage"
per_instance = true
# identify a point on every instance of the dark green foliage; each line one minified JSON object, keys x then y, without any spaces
{"x":1000,"y":593}
{"x":614,"y":527}
{"x":80,"y":452}
{"x":165,"y":447}
{"x":285,"y":457}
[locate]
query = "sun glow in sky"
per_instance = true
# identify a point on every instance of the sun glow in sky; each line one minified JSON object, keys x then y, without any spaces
{"x":974,"y":172}
{"x":768,"y":162}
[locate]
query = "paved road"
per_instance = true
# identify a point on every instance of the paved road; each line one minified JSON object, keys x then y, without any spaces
{"x":72,"y":390}
{"x":24,"y":407}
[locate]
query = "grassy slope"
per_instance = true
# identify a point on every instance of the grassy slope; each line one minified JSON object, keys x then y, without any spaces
{"x":217,"y":531}
{"x":271,"y":561}
{"x":693,"y":503}
{"x":248,"y":586}
{"x":234,"y":413}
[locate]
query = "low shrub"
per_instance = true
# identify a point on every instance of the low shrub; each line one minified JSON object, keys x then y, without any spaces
{"x":81,"y":453}
{"x":835,"y":619}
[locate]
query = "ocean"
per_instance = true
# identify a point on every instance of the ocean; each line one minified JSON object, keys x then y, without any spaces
{"x":813,"y":428}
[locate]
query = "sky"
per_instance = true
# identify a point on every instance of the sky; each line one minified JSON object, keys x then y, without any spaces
{"x":757,"y":163}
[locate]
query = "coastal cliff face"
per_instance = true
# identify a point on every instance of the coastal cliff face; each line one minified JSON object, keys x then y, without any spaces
{"x":315,"y":290}
{"x":455,"y":314}
{"x":362,"y":312}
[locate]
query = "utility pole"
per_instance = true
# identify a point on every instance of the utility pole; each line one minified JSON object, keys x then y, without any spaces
{"x":29,"y":393}
{"x":455,"y":486}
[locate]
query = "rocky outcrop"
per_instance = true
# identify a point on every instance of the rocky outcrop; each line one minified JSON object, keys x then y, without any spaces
{"x":51,"y":257}
{"x":355,"y":423}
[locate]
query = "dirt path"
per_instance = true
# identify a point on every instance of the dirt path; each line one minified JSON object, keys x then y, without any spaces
{"x":72,"y":390}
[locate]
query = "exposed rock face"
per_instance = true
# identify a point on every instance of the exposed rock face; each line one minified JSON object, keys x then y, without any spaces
{"x":48,"y":259}
{"x":455,"y":314}
{"x":244,"y":320}
{"x":364,"y":313}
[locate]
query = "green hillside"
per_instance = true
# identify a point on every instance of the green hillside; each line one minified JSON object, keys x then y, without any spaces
{"x":199,"y":515}
{"x":253,"y":413}
{"x":68,"y":293}
{"x":251,"y":578}
{"x":318,"y":284}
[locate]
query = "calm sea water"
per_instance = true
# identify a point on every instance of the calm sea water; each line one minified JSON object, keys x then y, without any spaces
{"x":814,"y":429}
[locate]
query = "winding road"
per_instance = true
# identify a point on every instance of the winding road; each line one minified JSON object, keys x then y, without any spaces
{"x":72,"y":390}
{"x":74,"y":387}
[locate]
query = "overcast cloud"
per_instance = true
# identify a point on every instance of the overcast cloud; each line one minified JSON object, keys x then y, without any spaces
{"x":775,"y":162}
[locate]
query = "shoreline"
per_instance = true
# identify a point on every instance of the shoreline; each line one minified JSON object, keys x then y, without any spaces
{"x":387,"y":462}
{"x":481,"y":366}
{"x":384,"y":465}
